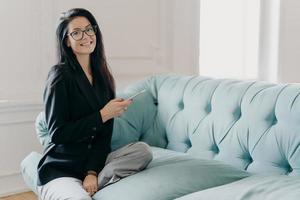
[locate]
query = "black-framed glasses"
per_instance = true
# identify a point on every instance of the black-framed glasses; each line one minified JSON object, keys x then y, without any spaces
{"x":78,"y":34}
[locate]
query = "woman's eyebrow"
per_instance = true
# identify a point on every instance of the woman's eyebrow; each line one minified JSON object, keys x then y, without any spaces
{"x":80,"y":28}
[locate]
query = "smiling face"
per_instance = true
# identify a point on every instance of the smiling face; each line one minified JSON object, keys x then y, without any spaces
{"x":84,"y":45}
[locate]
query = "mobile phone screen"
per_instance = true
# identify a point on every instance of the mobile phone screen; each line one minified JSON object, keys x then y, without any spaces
{"x":137,"y":94}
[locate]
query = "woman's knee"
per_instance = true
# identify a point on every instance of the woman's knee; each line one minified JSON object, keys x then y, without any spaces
{"x":144,"y":151}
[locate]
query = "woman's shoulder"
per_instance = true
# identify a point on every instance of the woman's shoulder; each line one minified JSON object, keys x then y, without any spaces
{"x":59,"y":73}
{"x":60,"y":69}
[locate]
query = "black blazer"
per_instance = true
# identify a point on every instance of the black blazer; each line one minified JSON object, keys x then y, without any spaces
{"x":80,"y":141}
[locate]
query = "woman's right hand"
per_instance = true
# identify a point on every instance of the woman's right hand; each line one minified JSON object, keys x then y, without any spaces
{"x":114,"y":108}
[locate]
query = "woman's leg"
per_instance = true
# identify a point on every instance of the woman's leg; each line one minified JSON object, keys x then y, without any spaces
{"x":125,"y":161}
{"x":65,"y":188}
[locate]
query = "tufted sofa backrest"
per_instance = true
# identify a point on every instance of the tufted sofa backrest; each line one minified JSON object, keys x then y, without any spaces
{"x":251,"y":125}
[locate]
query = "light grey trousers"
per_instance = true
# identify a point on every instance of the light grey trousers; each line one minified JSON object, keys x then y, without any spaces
{"x":123,"y":162}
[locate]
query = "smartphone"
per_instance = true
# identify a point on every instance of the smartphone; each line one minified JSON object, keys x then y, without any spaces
{"x":137,"y":94}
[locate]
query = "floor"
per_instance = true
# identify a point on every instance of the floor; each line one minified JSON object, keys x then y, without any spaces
{"x":21,"y":196}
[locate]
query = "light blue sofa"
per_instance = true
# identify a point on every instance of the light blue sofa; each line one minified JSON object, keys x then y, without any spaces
{"x":211,"y":139}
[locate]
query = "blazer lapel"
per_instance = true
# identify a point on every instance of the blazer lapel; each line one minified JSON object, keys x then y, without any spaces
{"x":86,"y":89}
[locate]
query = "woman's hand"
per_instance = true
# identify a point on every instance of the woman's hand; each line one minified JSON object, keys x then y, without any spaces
{"x":114,"y":108}
{"x":90,"y":184}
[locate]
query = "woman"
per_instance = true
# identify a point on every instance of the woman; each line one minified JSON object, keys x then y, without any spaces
{"x":80,"y":105}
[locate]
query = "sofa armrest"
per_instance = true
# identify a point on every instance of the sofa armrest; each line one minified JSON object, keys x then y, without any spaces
{"x":29,"y":170}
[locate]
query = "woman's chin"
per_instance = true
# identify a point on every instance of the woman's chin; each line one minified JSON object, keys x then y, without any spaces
{"x":85,"y":51}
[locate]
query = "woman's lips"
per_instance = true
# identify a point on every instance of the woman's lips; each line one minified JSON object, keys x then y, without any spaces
{"x":86,"y":43}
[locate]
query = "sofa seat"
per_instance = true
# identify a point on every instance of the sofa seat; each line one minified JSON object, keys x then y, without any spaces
{"x":173,"y":174}
{"x":258,"y":187}
{"x":170,"y":175}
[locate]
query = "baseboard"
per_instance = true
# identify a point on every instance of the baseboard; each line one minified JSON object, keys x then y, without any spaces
{"x":12,"y":184}
{"x":14,"y":192}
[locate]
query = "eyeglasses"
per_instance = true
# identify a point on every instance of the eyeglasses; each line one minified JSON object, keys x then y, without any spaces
{"x":78,"y":34}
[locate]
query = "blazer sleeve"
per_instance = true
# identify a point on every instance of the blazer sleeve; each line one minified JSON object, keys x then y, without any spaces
{"x":61,"y":128}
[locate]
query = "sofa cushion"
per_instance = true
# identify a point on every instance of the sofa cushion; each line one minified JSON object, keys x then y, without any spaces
{"x":29,"y":170}
{"x":253,"y":188}
{"x":171,"y":175}
{"x":41,"y":129}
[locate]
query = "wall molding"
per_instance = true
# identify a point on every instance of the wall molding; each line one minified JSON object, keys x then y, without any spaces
{"x":159,"y":58}
{"x":17,"y":119}
{"x":7,"y":106}
{"x":11,"y":173}
{"x":18,"y":112}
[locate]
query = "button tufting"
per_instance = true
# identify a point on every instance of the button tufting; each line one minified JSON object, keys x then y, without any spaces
{"x":188,"y":142}
{"x":247,"y":157}
{"x":250,"y":159}
{"x":181,"y":105}
{"x":237,"y":113}
{"x":215,"y":149}
{"x":289,"y":169}
{"x":208,"y":108}
{"x":274,"y":121}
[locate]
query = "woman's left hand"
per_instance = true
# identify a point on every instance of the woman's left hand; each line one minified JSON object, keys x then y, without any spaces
{"x":90,"y":184}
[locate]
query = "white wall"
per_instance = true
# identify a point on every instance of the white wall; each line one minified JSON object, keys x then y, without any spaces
{"x":141,"y":38}
{"x":289,"y":42}
{"x":279,"y":41}
{"x":229,"y":38}
{"x":269,"y":40}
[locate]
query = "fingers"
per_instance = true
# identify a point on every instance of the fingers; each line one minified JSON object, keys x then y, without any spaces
{"x":120,"y":111}
{"x":117,"y":100}
{"x":91,"y":190}
{"x":129,"y":101}
{"x":123,"y":104}
{"x":90,"y":185}
{"x":123,"y":101}
{"x":126,"y":103}
{"x":118,"y":106}
{"x":91,"y":193}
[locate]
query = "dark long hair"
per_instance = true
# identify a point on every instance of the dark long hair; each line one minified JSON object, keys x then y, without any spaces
{"x":98,"y":63}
